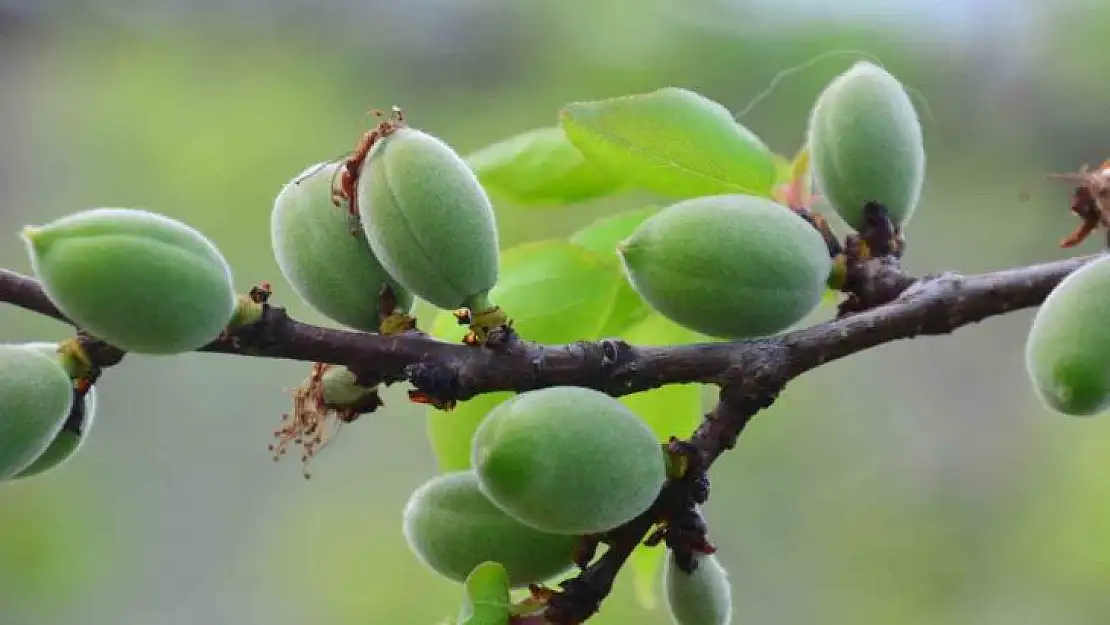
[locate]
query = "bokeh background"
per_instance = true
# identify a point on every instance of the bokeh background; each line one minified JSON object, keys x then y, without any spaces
{"x":920,"y":483}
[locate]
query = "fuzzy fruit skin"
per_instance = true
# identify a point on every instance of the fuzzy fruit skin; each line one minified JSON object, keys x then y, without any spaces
{"x":67,"y":442}
{"x":1065,"y":350}
{"x":138,"y":280}
{"x":866,"y":145}
{"x":453,"y":527}
{"x":728,"y":266}
{"x":35,"y":399}
{"x":701,"y":598}
{"x":428,"y":220}
{"x":332,"y":270}
{"x":568,"y":460}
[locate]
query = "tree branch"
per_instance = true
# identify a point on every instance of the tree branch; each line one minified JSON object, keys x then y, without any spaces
{"x":26,"y":292}
{"x":929,"y":306}
{"x":750,"y":373}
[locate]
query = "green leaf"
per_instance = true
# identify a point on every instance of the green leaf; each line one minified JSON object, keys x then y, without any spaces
{"x":602,"y":236}
{"x":450,"y":432}
{"x":486,"y":596}
{"x":646,"y":562}
{"x":555,"y":292}
{"x":671,"y":141}
{"x":784,"y":170}
{"x":540,"y":167}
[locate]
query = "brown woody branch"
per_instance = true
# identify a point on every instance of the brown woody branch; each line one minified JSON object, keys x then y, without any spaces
{"x":931,"y":305}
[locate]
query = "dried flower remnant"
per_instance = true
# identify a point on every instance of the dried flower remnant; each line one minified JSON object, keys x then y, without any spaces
{"x":1090,"y":201}
{"x":343,"y":189}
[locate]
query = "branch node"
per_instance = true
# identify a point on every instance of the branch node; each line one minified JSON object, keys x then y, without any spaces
{"x":881,"y":235}
{"x":100,"y":354}
{"x":436,"y":384}
{"x":267,"y":330}
{"x":610,"y":352}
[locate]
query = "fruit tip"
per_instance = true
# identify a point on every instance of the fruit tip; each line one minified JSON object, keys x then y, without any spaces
{"x":631,"y":246}
{"x":868,"y":67}
{"x":31,"y":235}
{"x":624,"y":247}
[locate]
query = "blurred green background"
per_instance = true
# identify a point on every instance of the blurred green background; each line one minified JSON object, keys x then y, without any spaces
{"x":919,"y":484}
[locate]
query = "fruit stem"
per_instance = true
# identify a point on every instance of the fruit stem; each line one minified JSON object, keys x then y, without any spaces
{"x":74,"y":359}
{"x":483,"y":317}
{"x":250,"y":308}
{"x":393,"y":319}
{"x":838,"y":275}
{"x":480,"y":302}
{"x":677,"y":462}
{"x":246,"y":312}
{"x":397,"y":323}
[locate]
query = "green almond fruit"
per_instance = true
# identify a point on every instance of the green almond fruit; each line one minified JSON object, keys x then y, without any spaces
{"x":36,"y":396}
{"x":728,"y":266}
{"x":486,"y":597}
{"x":1065,"y":351}
{"x":331,"y":269}
{"x":703,"y":597}
{"x":453,"y":527}
{"x":568,"y":460}
{"x":138,"y":280}
{"x":68,"y":441}
{"x":341,"y":387}
{"x":866,"y":145}
{"x":74,"y":432}
{"x":429,"y":221}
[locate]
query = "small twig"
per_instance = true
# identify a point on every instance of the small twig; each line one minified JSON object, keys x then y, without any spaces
{"x":26,"y":292}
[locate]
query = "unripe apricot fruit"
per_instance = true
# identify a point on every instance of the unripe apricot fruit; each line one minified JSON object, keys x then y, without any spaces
{"x":703,"y":597}
{"x":340,"y":387}
{"x":568,"y":460}
{"x":1067,"y":346}
{"x":138,"y":280}
{"x":36,"y":395}
{"x":453,"y":527}
{"x":332,"y":269}
{"x":866,"y":143}
{"x":71,"y":436}
{"x":428,"y":220}
{"x":728,"y":266}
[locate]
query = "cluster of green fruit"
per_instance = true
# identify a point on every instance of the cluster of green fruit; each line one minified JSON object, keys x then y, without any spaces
{"x":46,"y":416}
{"x":550,"y":467}
{"x":418,"y":222}
{"x":406,"y":215}
{"x":138,"y":280}
{"x":727,"y":265}
{"x":547,"y":467}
